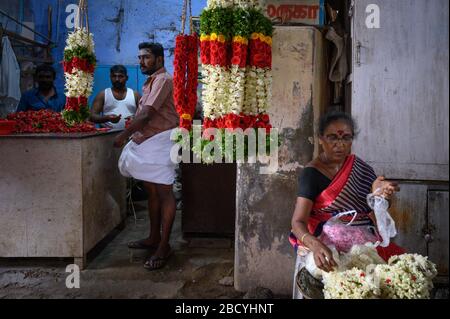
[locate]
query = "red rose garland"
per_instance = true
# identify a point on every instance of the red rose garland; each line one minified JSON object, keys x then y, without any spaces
{"x":192,"y":75}
{"x":185,"y":78}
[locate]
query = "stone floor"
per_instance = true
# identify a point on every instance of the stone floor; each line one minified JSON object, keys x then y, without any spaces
{"x":114,"y":271}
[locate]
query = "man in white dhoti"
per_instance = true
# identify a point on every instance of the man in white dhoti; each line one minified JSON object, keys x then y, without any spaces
{"x":147,"y":156}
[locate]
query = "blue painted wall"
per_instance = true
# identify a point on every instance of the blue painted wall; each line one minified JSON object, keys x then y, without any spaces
{"x":118,"y":27}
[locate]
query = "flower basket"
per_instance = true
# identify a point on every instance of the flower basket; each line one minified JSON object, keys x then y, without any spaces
{"x":309,"y":287}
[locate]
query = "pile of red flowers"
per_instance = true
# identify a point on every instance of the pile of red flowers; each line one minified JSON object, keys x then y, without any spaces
{"x":46,"y":121}
{"x":185,"y":78}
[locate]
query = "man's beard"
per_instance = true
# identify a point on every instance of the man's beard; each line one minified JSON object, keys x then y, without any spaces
{"x":45,"y":86}
{"x":118,"y":86}
{"x":149,"y":71}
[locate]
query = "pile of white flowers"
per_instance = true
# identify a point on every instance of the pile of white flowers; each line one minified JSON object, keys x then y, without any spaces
{"x":408,"y":276}
{"x":350,"y":284}
{"x":361,"y":274}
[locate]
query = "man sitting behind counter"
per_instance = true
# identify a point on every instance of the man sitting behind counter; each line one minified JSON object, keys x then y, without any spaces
{"x":45,"y":95}
{"x":111,"y":107}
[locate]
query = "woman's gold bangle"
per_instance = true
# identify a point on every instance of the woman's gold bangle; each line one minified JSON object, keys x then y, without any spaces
{"x":303,"y":237}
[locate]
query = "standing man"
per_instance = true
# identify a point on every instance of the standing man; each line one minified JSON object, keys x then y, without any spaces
{"x":45,"y":95}
{"x":116,"y":103}
{"x":147,"y":156}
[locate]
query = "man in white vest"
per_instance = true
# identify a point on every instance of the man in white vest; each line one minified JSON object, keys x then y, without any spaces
{"x":111,"y":107}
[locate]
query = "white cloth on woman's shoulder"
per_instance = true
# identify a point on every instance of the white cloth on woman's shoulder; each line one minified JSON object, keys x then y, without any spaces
{"x":149,"y":161}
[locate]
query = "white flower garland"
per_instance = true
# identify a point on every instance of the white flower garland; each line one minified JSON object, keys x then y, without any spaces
{"x":263,"y":89}
{"x":237,"y":89}
{"x":80,"y":38}
{"x":268,"y":87}
{"x":79,"y":83}
{"x":250,"y":98}
{"x":215,"y":94}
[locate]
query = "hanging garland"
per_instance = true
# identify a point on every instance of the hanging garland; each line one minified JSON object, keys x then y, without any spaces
{"x":236,"y":56}
{"x":79,"y":65}
{"x":185,"y":76}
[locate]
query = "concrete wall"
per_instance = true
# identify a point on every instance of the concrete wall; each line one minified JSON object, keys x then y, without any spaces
{"x":265,"y":203}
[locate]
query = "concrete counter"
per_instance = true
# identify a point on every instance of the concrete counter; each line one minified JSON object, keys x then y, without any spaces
{"x":60,"y":194}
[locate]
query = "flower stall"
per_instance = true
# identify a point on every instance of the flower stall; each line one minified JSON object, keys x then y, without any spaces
{"x":56,"y":199}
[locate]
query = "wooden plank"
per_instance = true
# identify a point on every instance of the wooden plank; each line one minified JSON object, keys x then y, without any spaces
{"x":409,"y":211}
{"x":438,"y":225}
{"x":400,"y":89}
{"x":209,"y":198}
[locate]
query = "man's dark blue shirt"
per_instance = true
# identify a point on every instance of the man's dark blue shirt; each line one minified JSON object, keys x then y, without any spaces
{"x":33,"y":101}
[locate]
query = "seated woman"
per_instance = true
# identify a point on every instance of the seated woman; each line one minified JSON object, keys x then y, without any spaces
{"x":334,"y":182}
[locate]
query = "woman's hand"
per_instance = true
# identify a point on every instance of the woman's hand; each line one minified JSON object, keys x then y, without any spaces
{"x":323,"y":257}
{"x":385,"y":188}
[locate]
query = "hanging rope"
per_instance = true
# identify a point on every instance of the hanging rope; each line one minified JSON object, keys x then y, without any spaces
{"x":82,"y":15}
{"x":183,"y":16}
{"x":191,"y":24}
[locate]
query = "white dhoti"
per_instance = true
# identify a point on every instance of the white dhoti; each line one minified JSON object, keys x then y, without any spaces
{"x":149,"y":161}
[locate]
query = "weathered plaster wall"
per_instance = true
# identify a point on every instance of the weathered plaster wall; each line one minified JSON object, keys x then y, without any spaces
{"x":265,"y":203}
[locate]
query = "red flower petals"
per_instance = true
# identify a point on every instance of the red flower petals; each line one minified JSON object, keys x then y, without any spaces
{"x":46,"y":121}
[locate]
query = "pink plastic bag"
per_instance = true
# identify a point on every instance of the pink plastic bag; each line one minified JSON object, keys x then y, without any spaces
{"x":344,"y":235}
